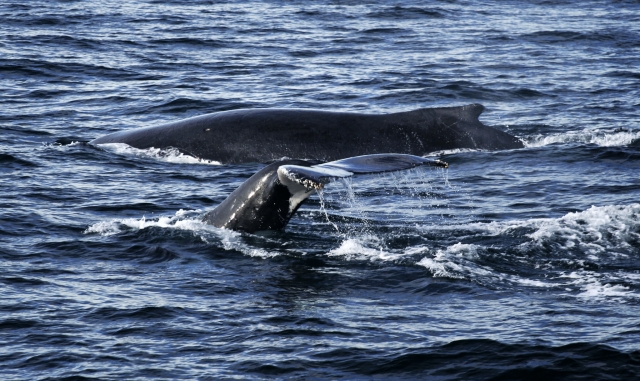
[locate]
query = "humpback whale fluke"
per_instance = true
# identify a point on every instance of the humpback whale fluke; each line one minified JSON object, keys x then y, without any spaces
{"x":266,"y":135}
{"x":268,"y":199}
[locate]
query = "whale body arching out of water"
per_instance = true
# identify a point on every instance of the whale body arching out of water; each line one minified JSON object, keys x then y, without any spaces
{"x":266,"y":135}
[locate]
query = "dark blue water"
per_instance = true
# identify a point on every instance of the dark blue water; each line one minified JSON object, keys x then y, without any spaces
{"x":520,"y":264}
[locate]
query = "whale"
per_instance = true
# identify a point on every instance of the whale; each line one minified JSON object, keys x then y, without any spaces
{"x":268,"y":135}
{"x":269,"y":198}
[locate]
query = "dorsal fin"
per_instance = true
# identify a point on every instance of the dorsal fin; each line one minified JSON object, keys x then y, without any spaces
{"x":471,"y":113}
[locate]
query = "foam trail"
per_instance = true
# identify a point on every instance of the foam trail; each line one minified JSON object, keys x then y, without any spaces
{"x":603,"y":138}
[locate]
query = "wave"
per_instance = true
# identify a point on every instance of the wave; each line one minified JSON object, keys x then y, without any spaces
{"x":8,"y":161}
{"x":581,"y":254}
{"x":585,"y":254}
{"x":611,"y":230}
{"x":368,"y":248}
{"x":486,"y":359}
{"x":186,"y":220}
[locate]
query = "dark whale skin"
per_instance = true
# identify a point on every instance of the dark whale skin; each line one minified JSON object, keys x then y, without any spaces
{"x":265,"y":135}
{"x":260,"y":203}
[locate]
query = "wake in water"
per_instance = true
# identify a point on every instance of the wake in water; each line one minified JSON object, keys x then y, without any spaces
{"x":600,"y":137}
{"x":183,"y":220}
{"x":579,"y":254}
{"x":583,"y":254}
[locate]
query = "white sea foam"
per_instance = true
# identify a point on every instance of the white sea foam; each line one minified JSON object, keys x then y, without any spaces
{"x":460,"y":261}
{"x":604,"y":138}
{"x":186,"y":220}
{"x":179,"y":221}
{"x":169,"y":155}
{"x":599,"y":229}
{"x":592,"y":285}
{"x":232,"y":240}
{"x":365,"y":248}
{"x":598,"y":235}
{"x":456,"y":261}
{"x":104,"y":228}
{"x":597,"y":290}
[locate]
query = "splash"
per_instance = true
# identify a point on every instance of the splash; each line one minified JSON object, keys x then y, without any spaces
{"x":365,"y":248}
{"x":323,"y":209}
{"x":397,"y":196}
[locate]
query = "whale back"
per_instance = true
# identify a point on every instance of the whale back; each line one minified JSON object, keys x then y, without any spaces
{"x":264,"y":135}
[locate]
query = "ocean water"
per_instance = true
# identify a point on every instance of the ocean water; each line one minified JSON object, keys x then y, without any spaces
{"x":509,"y":265}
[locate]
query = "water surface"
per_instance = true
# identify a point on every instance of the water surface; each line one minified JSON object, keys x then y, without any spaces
{"x":509,"y":265}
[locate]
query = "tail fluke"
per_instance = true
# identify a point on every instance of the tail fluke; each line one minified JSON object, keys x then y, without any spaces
{"x":315,"y":177}
{"x":268,"y":199}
